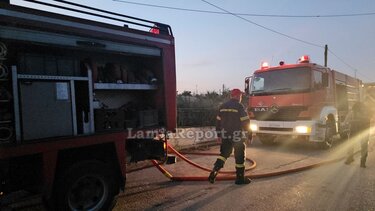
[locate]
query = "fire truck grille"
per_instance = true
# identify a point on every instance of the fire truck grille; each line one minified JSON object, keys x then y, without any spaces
{"x":276,"y":129}
{"x":283,"y":114}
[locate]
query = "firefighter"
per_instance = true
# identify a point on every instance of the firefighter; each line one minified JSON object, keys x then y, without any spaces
{"x":359,"y":124}
{"x":232,"y":123}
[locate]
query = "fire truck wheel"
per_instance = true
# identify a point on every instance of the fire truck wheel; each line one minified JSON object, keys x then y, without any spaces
{"x":88,"y":185}
{"x":267,"y":139}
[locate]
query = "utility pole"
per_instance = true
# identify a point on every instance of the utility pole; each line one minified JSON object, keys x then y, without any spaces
{"x":325,"y":55}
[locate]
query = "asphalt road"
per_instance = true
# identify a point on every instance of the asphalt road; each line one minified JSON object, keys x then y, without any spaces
{"x":334,"y":186}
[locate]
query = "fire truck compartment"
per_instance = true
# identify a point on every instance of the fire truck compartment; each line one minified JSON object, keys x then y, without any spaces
{"x":85,"y":91}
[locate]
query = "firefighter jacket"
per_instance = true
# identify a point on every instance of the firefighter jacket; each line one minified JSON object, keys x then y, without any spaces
{"x":231,"y":118}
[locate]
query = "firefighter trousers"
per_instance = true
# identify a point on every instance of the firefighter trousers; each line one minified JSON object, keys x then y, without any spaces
{"x":226,"y":149}
{"x":364,"y":151}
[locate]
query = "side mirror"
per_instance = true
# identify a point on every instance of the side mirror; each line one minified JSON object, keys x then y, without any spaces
{"x":247,"y":84}
{"x":325,"y":79}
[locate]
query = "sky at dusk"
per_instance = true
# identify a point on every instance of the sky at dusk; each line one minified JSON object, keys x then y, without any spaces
{"x":215,"y":49}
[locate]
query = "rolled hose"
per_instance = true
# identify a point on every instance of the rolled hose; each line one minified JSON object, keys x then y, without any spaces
{"x":5,"y":133}
{"x":3,"y":50}
{"x":233,"y":177}
{"x":3,"y":71}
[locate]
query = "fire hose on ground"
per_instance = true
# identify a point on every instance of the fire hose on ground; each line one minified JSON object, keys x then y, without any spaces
{"x":231,"y":177}
{"x":223,"y":175}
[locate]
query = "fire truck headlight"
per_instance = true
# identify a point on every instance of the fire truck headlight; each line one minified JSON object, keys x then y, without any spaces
{"x":303,"y":129}
{"x":253,"y":127}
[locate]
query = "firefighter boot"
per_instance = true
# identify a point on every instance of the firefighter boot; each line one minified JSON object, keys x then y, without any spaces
{"x":241,"y":179}
{"x":217,"y":166}
{"x":213,"y":174}
{"x":363,"y":162}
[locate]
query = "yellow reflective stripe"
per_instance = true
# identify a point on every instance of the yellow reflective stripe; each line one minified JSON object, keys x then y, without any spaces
{"x":167,"y":174}
{"x":240,"y":165}
{"x":222,"y":158}
{"x":244,"y":118}
{"x":229,"y":110}
{"x":218,"y":118}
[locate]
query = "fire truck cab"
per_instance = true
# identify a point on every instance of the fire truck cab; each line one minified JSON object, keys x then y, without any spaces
{"x":304,"y":100}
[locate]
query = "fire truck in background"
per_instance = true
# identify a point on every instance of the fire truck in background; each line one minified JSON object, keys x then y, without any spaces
{"x":304,"y":100}
{"x":73,"y":94}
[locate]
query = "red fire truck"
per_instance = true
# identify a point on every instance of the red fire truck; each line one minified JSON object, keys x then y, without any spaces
{"x":304,"y":100}
{"x":73,"y":94}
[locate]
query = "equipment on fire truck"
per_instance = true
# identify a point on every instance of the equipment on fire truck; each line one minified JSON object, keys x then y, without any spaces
{"x":34,"y":63}
{"x":5,"y":134}
{"x":6,"y":123}
{"x":4,"y":94}
{"x":3,"y":71}
{"x":3,"y":51}
{"x":304,"y":59}
{"x":264,"y":65}
{"x":109,"y":119}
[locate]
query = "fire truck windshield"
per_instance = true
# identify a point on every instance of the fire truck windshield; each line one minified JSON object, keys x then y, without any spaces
{"x":281,"y":81}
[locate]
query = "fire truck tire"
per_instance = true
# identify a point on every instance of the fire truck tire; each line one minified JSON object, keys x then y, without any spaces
{"x":87,"y":185}
{"x":267,"y":139}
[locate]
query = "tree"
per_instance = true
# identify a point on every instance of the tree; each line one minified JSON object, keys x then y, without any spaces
{"x":199,"y":109}
{"x":186,"y":93}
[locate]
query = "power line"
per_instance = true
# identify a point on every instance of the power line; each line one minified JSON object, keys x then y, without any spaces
{"x":342,"y":60}
{"x":238,"y":15}
{"x":285,"y":35}
{"x":249,"y":14}
{"x":264,"y":27}
{"x":348,"y":65}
